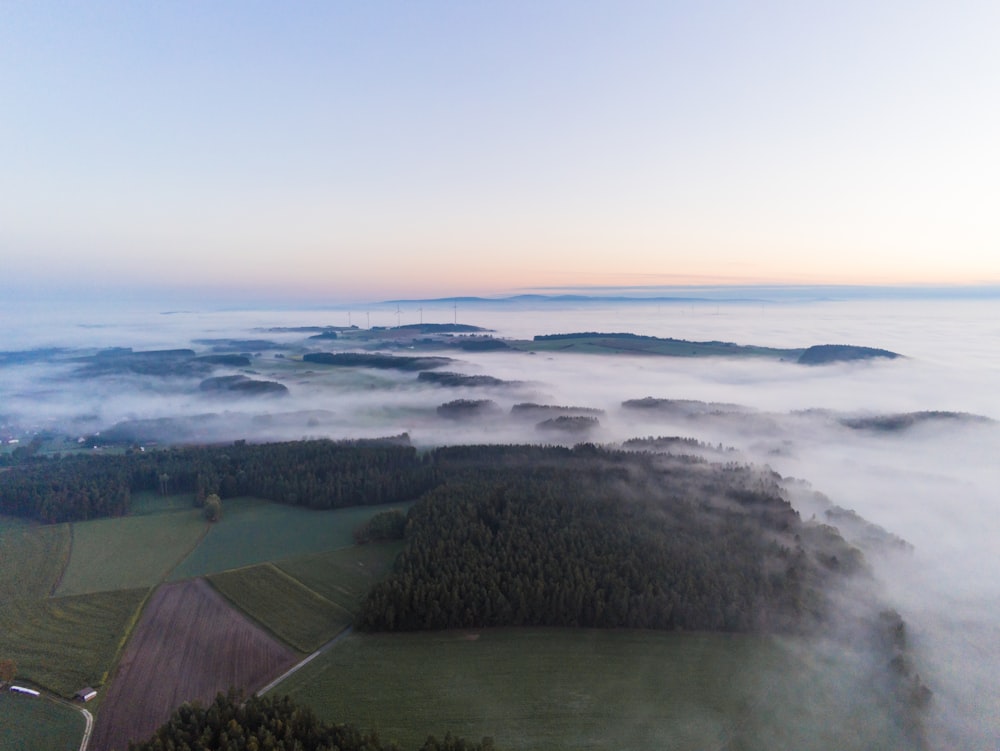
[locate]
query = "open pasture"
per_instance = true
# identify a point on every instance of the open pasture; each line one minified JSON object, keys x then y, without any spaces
{"x":255,"y":531}
{"x":66,"y":643}
{"x":188,"y":645}
{"x":30,"y":723}
{"x":343,"y":576}
{"x":131,"y":551}
{"x":149,"y":502}
{"x":585,"y":689}
{"x":33,"y":557}
{"x":283,"y":605}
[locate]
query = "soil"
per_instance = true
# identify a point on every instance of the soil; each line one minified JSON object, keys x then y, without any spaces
{"x":188,"y":646}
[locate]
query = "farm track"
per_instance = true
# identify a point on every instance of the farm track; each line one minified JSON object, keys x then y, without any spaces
{"x":299,"y":665}
{"x":189,"y":645}
{"x":65,"y":565}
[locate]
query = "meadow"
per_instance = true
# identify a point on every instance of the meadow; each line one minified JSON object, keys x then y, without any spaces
{"x":254,"y":531}
{"x":29,"y":723}
{"x":63,"y":644}
{"x":583,"y":689}
{"x":131,"y":551}
{"x":284,"y":606}
{"x":33,"y":558}
{"x":343,"y":576}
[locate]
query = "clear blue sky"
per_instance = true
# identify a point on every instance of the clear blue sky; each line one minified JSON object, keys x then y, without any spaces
{"x":375,"y":149}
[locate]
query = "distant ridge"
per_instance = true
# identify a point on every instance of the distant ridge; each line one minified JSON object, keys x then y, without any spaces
{"x":721,"y":293}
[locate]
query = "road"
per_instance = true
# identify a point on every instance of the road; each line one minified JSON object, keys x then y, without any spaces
{"x":298,"y":666}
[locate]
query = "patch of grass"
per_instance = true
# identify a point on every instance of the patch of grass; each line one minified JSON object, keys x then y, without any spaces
{"x":255,"y":531}
{"x":149,"y":502}
{"x":283,"y":605}
{"x":66,"y":643}
{"x":129,"y":552}
{"x":585,"y":689}
{"x":33,"y":557}
{"x":29,"y":723}
{"x":344,"y":576}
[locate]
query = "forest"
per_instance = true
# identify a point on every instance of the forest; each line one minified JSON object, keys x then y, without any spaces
{"x":515,"y":535}
{"x":319,"y":474}
{"x":530,"y":536}
{"x":232,"y":723}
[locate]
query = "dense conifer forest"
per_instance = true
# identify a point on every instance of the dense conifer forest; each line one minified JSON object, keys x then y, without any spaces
{"x":272,"y":724}
{"x":523,"y":535}
{"x":507,"y":535}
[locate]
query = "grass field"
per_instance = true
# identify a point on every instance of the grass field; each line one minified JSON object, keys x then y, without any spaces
{"x":343,"y":576}
{"x":66,"y":643}
{"x":131,"y":551}
{"x":33,"y":557}
{"x":30,"y":724}
{"x":282,"y":605}
{"x":148,"y":502}
{"x":254,"y":531}
{"x":581,"y":689}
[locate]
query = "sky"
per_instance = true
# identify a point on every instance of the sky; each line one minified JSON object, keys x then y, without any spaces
{"x":368,"y":150}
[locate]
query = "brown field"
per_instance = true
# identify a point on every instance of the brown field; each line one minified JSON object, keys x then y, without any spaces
{"x":189,"y":645}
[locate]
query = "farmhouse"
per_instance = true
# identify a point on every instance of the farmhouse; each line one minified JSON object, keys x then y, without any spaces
{"x":85,"y":694}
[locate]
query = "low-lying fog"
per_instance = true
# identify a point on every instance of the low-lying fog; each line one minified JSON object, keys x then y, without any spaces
{"x":934,"y":483}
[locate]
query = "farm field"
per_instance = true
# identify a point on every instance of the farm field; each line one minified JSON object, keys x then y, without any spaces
{"x":255,"y":531}
{"x":131,"y":551}
{"x":283,"y":605}
{"x":66,"y":643}
{"x":188,"y":645}
{"x":33,"y":557}
{"x":344,"y":576}
{"x":149,"y":502}
{"x":569,"y":689}
{"x":30,"y":723}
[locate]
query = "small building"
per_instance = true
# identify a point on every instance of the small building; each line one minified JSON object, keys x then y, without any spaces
{"x":85,"y":694}
{"x":23,"y":690}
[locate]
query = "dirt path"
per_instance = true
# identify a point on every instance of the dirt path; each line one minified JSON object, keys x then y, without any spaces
{"x":298,"y":666}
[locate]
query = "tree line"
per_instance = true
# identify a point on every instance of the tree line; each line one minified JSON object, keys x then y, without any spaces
{"x":320,"y":474}
{"x":231,"y":723}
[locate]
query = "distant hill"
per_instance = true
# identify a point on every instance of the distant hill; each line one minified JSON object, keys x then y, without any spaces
{"x":821,"y":354}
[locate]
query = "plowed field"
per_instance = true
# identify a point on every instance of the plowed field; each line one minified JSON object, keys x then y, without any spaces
{"x":189,"y":645}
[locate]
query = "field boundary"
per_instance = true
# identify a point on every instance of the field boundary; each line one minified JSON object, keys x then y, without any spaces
{"x":309,"y":589}
{"x":187,"y":553}
{"x":129,"y":628}
{"x":65,"y":564}
{"x":305,"y":661}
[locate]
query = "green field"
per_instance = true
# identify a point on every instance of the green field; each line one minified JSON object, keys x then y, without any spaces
{"x":61,"y":643}
{"x":585,"y":689}
{"x":130,"y":552}
{"x":254,"y":531}
{"x":284,"y":606}
{"x":33,"y":557}
{"x":344,"y":576}
{"x":30,"y":724}
{"x":66,"y":643}
{"x":148,"y":502}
